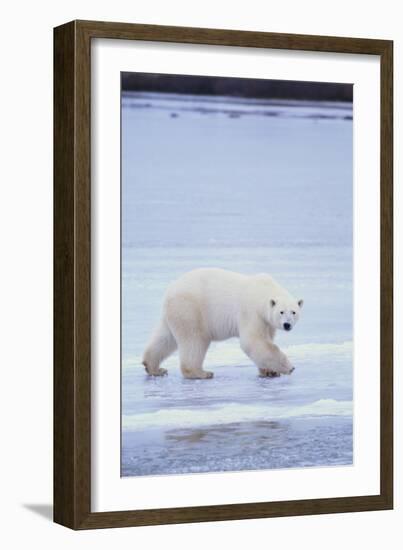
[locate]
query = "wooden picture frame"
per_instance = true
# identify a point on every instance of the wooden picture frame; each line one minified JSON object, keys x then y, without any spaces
{"x":72,"y":272}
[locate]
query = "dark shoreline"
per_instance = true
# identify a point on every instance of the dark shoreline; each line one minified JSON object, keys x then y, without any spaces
{"x":236,"y":87}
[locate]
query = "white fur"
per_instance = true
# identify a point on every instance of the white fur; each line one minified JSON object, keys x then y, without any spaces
{"x":211,"y":304}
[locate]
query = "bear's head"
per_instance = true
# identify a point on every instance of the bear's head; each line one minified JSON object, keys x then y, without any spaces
{"x":284,"y":313}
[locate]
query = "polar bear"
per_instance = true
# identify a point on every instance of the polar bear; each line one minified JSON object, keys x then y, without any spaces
{"x":211,"y":304}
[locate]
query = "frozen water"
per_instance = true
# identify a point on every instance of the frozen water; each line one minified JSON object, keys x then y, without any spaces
{"x":249,"y":186}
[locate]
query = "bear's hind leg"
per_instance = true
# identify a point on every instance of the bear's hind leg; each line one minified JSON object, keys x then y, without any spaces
{"x":187,"y":329}
{"x":161,"y":345}
{"x":191,"y":356}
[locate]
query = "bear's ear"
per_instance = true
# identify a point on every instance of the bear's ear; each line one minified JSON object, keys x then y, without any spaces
{"x":300,"y":303}
{"x":272,"y":303}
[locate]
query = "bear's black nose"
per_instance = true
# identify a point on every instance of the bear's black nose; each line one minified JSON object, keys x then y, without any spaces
{"x":287,"y":326}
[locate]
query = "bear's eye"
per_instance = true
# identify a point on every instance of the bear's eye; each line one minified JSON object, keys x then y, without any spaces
{"x":293,"y":312}
{"x":281,"y":312}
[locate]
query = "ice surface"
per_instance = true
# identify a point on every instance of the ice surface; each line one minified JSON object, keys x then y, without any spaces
{"x":250,"y":186}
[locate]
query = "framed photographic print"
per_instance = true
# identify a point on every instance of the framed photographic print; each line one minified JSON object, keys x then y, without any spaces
{"x":222,"y":275}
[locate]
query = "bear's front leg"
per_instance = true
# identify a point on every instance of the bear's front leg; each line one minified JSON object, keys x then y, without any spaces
{"x":268,"y":357}
{"x":268,"y":373}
